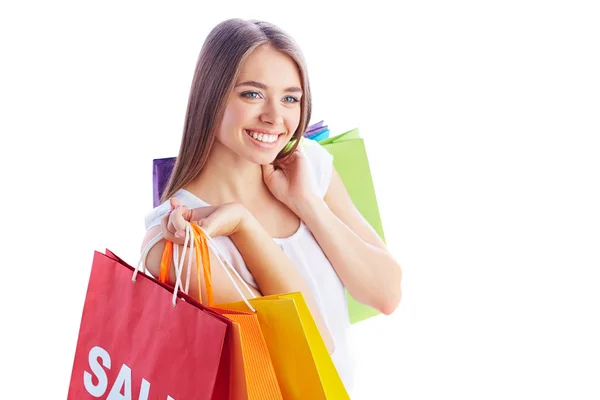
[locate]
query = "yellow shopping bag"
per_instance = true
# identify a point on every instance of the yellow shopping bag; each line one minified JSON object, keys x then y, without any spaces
{"x":302,"y":363}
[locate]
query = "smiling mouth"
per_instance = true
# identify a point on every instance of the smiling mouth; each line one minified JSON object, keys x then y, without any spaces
{"x":262,"y":137}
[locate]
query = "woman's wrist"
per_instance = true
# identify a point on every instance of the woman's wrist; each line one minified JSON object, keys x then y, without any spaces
{"x":247,"y":222}
{"x":309,"y":207}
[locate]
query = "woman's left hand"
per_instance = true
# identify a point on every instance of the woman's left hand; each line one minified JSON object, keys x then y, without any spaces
{"x":290,"y":181}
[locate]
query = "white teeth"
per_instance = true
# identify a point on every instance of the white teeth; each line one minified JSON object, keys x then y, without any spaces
{"x":263,"y":137}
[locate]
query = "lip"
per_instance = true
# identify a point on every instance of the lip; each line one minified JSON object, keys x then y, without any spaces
{"x":260,"y":144}
{"x":265,"y":131}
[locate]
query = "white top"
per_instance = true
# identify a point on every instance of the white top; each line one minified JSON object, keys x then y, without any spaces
{"x":306,"y":255}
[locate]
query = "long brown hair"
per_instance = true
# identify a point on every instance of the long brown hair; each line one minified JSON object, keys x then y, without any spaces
{"x":224,"y":52}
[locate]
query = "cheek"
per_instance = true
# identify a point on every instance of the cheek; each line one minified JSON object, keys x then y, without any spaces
{"x":234,"y":118}
{"x":293,"y":120}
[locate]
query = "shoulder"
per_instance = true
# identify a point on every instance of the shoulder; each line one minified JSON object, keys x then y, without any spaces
{"x":321,"y":164}
{"x":153,"y":217}
{"x":314,"y":151}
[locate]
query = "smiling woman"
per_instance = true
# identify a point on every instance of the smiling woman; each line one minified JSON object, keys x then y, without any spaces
{"x":279,"y":212}
{"x":265,"y":105}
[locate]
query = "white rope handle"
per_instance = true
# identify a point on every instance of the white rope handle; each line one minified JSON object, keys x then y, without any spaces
{"x":189,"y":235}
{"x":178,"y":265}
{"x":176,"y":261}
{"x":223,"y":261}
{"x":144,"y":255}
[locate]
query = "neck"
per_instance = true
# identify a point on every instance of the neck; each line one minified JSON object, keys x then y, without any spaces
{"x":239,"y":180}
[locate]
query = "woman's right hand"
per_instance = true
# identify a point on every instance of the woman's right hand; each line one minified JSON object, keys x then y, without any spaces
{"x":223,"y":220}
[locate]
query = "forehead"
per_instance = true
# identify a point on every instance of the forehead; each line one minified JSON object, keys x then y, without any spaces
{"x":269,"y":66}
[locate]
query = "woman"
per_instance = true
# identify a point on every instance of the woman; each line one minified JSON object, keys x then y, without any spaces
{"x":278,"y":211}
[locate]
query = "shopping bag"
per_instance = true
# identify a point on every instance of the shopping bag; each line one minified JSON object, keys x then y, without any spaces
{"x":317,"y":131}
{"x":303,"y":365}
{"x":319,"y":135}
{"x":139,"y":340}
{"x":161,"y":172}
{"x":314,"y":127}
{"x":352,"y":165}
{"x":252,"y":375}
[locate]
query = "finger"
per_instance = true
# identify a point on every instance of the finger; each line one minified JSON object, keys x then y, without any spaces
{"x":168,"y":235}
{"x":267,"y":170}
{"x":174,"y":203}
{"x":168,"y":219}
{"x":177,"y":222}
{"x":186,"y":213}
{"x":170,"y":225}
{"x":182,"y":209}
{"x":172,"y":238}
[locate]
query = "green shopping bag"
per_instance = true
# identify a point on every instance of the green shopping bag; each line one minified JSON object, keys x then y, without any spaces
{"x":351,"y":163}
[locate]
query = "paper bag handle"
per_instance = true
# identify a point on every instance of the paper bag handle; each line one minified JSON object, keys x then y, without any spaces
{"x":202,"y":243}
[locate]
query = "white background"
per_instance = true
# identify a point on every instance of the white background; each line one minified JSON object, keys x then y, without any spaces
{"x":481,"y":121}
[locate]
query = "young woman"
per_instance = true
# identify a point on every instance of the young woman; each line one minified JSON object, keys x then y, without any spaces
{"x":280,"y":213}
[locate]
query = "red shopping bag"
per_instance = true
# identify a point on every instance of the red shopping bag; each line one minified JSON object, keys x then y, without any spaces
{"x":135,"y":343}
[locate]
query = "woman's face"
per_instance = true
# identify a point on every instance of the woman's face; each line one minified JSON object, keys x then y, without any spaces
{"x":263,"y":110}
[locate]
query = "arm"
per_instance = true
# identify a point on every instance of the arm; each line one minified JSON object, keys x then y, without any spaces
{"x":271,"y":268}
{"x":356,"y":252}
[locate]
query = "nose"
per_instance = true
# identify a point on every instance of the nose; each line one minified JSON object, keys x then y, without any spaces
{"x":271,"y":114}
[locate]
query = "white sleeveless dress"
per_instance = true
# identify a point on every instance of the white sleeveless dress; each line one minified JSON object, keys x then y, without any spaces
{"x":306,"y":255}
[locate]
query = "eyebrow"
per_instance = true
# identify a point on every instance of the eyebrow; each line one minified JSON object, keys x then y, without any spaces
{"x":264,"y":87}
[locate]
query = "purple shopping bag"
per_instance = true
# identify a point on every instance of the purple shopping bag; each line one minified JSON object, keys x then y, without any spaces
{"x":161,"y":171}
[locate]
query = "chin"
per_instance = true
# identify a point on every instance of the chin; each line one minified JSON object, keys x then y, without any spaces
{"x":260,"y":159}
{"x":265,"y":160}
